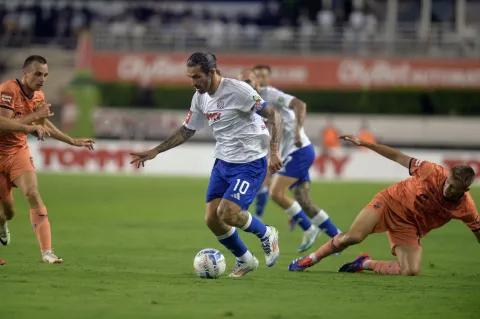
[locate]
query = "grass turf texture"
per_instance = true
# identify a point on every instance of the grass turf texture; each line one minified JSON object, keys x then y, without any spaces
{"x":129,"y":243}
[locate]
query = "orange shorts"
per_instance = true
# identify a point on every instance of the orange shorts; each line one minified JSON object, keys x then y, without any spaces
{"x":11,"y":167}
{"x":399,"y":232}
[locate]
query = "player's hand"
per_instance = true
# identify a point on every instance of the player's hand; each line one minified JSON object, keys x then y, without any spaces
{"x":39,"y":131}
{"x":142,"y":157}
{"x":275,"y":162}
{"x":44,"y":111}
{"x":352,"y":139}
{"x":298,"y":139}
{"x":83,"y":142}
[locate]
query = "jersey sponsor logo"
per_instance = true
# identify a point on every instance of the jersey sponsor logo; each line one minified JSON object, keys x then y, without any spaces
{"x":220,"y":105}
{"x":257,"y":98}
{"x":189,"y":115}
{"x":213,"y":116}
{"x":6,"y":97}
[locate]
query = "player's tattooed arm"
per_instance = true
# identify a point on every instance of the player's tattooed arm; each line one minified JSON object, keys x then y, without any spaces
{"x":275,"y":126}
{"x":300,"y":109}
{"x":178,"y":137}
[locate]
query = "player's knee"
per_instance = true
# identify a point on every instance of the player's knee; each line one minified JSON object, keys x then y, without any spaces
{"x":410,"y":270}
{"x":277,"y":195}
{"x":226,"y":214}
{"x":211,"y":220}
{"x":353,"y":238}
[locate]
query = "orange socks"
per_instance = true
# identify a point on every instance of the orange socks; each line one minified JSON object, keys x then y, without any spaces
{"x":384,"y":267}
{"x":41,"y":227}
{"x":331,"y":247}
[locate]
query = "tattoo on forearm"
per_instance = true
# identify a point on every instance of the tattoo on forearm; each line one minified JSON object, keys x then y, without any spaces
{"x":178,"y":137}
{"x":275,"y":126}
{"x":300,"y":110}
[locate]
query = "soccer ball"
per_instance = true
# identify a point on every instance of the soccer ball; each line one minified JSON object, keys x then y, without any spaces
{"x":209,"y":263}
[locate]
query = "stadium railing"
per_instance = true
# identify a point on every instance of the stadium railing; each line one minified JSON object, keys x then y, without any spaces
{"x":441,"y":41}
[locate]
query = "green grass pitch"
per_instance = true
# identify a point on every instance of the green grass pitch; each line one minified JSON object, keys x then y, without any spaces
{"x":128,"y":244}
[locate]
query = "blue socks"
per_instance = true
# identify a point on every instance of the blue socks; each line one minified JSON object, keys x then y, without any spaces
{"x":261,"y":201}
{"x":232,"y":242}
{"x":298,"y":215}
{"x":255,"y":226}
{"x":323,"y":221}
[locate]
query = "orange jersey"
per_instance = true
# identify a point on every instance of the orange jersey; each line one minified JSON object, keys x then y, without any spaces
{"x":12,"y":97}
{"x":419,"y":200}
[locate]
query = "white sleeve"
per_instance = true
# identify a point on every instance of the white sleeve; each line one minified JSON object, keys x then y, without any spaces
{"x":195,"y":119}
{"x":253,"y":102}
{"x":282,"y":99}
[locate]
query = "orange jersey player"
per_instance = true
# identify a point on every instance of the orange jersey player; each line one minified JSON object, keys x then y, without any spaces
{"x":22,"y":102}
{"x":406,"y":211}
{"x":9,"y":125}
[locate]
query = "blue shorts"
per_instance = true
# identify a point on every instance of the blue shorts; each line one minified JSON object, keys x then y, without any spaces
{"x":238,"y":183}
{"x":297,"y":165}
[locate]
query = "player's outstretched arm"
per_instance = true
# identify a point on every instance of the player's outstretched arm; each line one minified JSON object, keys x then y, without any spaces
{"x":8,"y":125}
{"x":385,"y":151}
{"x":180,"y":136}
{"x":300,"y":109}
{"x":275,"y":125}
{"x":62,"y":137}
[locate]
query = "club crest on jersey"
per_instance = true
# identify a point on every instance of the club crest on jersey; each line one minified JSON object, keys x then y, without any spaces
{"x":213,"y":116}
{"x":256,"y":98}
{"x":220,"y":105}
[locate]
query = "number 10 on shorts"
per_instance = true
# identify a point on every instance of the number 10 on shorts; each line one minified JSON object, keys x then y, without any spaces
{"x":244,"y":185}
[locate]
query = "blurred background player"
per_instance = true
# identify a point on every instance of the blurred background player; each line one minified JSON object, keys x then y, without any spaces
{"x":298,"y":155}
{"x":233,"y":110}
{"x":366,"y":134}
{"x":262,"y":74}
{"x":20,"y":99}
{"x":407,"y":211}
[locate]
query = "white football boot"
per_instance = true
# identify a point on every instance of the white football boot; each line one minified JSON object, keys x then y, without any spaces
{"x":50,"y":258}
{"x":270,"y":246}
{"x":244,"y":267}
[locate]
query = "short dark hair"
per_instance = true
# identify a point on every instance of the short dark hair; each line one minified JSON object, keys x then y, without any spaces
{"x":34,"y":58}
{"x":205,"y":60}
{"x":263,"y":66}
{"x":464,"y":174}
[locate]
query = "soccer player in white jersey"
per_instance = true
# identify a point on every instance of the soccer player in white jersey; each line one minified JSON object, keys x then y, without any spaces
{"x":231,"y":108}
{"x":298,"y":155}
